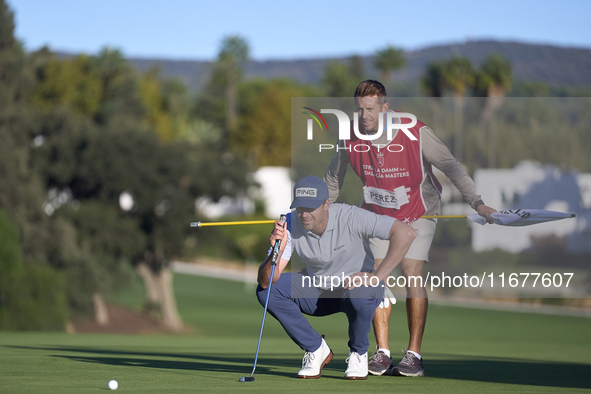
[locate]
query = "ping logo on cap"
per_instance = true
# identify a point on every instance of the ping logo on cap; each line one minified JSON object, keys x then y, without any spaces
{"x":306,"y":192}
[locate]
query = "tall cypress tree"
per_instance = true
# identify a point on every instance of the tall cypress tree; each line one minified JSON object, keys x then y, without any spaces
{"x":12,"y":152}
{"x":12,"y":60}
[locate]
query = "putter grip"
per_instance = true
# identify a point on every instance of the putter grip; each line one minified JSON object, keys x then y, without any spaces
{"x":283,"y":218}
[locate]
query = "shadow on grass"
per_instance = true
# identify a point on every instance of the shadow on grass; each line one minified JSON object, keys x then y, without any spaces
{"x":511,"y":371}
{"x":458,"y":367}
{"x":241,"y":364}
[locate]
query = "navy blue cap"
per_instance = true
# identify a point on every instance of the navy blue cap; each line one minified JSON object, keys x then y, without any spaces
{"x":309,"y":192}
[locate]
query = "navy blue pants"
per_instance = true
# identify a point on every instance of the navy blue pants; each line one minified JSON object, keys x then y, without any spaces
{"x":288,"y":303}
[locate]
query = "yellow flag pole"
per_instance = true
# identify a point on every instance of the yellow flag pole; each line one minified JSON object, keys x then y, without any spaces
{"x":444,"y":216}
{"x":200,"y":224}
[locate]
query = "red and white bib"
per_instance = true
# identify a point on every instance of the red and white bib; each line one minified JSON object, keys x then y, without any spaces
{"x":393,"y":174}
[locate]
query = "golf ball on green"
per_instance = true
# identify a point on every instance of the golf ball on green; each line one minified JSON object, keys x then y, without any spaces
{"x":113,"y":385}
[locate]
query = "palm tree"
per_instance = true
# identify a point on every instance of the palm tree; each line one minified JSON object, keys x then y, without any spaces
{"x":432,"y":85}
{"x":388,"y":60}
{"x":493,"y":82}
{"x":496,"y":76}
{"x":458,"y":75}
{"x":233,"y":54}
{"x":357,"y":67}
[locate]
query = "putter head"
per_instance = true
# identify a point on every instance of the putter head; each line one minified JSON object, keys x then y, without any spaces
{"x":247,"y":379}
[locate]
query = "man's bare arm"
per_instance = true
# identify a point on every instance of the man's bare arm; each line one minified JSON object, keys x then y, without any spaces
{"x":436,"y":153}
{"x":335,"y":173}
{"x":401,"y":237}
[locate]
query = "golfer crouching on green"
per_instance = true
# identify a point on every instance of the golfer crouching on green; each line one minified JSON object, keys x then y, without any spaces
{"x":332,"y":242}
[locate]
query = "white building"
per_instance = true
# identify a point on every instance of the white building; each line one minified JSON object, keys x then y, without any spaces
{"x":275,"y":193}
{"x":275,"y":189}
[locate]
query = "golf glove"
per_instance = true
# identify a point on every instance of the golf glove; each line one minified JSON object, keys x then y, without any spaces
{"x":388,"y":298}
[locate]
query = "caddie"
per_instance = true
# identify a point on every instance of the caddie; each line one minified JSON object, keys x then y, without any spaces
{"x":400,"y":183}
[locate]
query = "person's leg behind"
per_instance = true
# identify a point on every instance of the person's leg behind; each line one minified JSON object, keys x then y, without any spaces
{"x":416,"y":312}
{"x":381,"y":360}
{"x":417,"y":302}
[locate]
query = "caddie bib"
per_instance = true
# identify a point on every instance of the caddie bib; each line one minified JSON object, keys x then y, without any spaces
{"x":392,"y":174}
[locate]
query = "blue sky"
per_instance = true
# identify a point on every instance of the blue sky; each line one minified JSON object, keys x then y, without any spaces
{"x":183,"y":29}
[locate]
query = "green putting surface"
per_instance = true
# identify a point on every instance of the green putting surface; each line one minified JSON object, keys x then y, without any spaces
{"x":465,"y":350}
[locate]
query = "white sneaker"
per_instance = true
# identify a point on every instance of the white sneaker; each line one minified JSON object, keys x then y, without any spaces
{"x":314,"y":361}
{"x":357,"y":369}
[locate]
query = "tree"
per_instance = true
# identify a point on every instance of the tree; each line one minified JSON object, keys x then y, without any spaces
{"x":94,"y":166}
{"x":493,"y":81}
{"x":119,"y":160}
{"x":218,"y":102}
{"x":337,"y":80}
{"x":89,"y":158}
{"x":495,"y":76}
{"x":64,"y":163}
{"x":12,"y":60}
{"x":458,"y":75}
{"x":233,"y":54}
{"x":32,"y":296}
{"x":69,"y":82}
{"x":176,"y":102}
{"x":121,"y":104}
{"x":357,"y":68}
{"x":98,"y":165}
{"x":11,"y":65}
{"x":267,"y":139}
{"x":149,"y":89}
{"x":432,"y":83}
{"x":387,"y":60}
{"x":21,"y":191}
{"x":166,"y":104}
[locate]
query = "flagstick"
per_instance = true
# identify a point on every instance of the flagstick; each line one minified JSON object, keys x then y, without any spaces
{"x":443,"y":216}
{"x":199,"y":224}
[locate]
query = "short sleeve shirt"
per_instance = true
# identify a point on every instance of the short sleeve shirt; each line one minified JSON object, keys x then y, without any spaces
{"x":343,"y":248}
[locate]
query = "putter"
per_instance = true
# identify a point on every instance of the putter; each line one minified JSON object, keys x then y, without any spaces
{"x":273,"y":264}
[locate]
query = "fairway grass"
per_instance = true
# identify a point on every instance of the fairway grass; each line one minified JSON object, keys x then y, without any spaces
{"x":465,"y":350}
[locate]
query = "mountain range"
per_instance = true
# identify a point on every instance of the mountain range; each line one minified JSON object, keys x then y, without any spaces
{"x":553,"y":65}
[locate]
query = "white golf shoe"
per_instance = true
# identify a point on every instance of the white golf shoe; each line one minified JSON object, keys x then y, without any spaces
{"x":357,"y":366}
{"x":314,"y":361}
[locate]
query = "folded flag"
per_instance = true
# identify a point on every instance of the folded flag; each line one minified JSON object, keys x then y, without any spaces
{"x":521,"y":217}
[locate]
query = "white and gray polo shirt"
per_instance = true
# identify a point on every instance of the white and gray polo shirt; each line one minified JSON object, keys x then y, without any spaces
{"x":343,"y":248}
